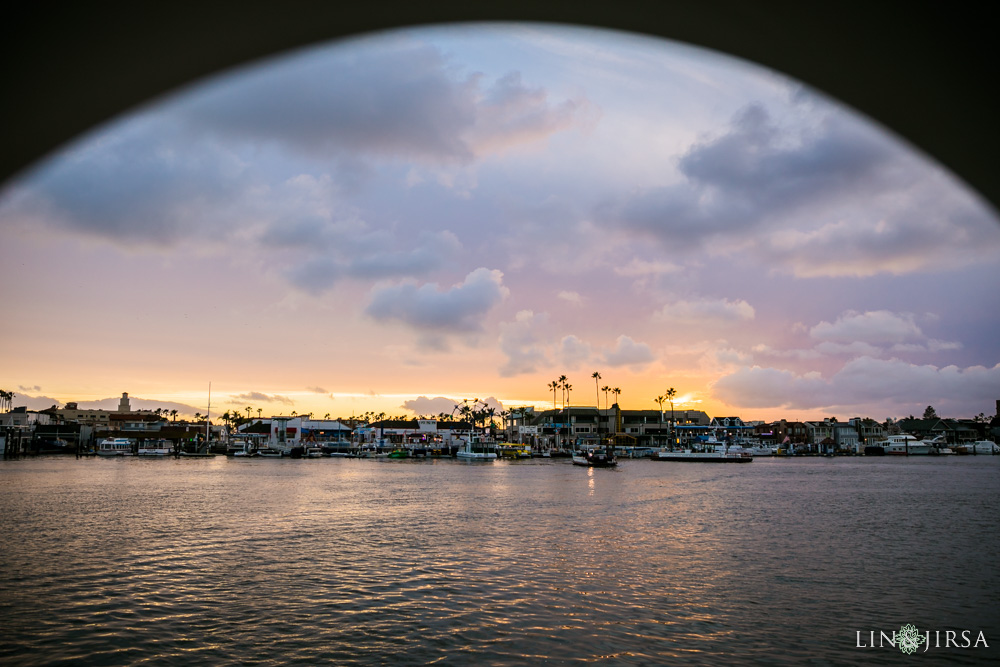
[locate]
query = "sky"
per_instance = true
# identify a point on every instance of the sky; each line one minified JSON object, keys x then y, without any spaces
{"x":399,"y":222}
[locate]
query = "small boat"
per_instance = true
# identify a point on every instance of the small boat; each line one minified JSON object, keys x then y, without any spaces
{"x":984,"y":447}
{"x":511,"y":450}
{"x":596,"y":458}
{"x":155,"y":448}
{"x":708,"y":451}
{"x":314,"y":453}
{"x":477,"y":448}
{"x":270,"y":453}
{"x":399,"y":453}
{"x":904,"y":444}
{"x":115,"y":447}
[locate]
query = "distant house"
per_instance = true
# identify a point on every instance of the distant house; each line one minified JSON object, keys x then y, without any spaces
{"x":954,"y":431}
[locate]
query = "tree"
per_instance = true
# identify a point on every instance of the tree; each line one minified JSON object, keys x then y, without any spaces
{"x":669,"y":395}
{"x":929,"y":413}
{"x":660,"y":400}
{"x":173,"y":415}
{"x":597,"y":388}
{"x":554,"y":386}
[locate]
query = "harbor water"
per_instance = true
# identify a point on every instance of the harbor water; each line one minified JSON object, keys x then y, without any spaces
{"x":371,"y":562}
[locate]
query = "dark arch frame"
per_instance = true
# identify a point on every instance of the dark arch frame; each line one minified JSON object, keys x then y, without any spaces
{"x":927,"y":71}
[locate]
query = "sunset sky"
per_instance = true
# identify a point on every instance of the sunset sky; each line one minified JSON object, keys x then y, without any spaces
{"x":399,"y":222}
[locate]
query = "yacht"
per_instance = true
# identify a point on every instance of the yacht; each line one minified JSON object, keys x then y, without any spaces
{"x":115,"y":447}
{"x":477,"y":448}
{"x":155,"y":448}
{"x":709,"y":451}
{"x":905,"y":444}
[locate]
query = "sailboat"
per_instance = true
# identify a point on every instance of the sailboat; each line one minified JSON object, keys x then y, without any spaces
{"x":204,"y":451}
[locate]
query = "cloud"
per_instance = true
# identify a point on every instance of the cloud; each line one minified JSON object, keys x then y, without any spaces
{"x":37,"y":402}
{"x":258,"y":397}
{"x":29,"y":389}
{"x":522,"y":343}
{"x":873,"y":332}
{"x":369,"y":256}
{"x":395,"y":99}
{"x":832,"y":197}
{"x":571,"y":297}
{"x":428,"y":308}
{"x":638,"y":268}
{"x":862,"y":384}
{"x":317,"y":390}
{"x":875,"y":327}
{"x":573,"y":351}
{"x":423,"y":405}
{"x":627,"y":352}
{"x":698,"y":312}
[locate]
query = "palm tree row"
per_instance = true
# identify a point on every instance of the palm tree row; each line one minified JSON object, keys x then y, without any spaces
{"x":561,"y":383}
{"x":6,"y":400}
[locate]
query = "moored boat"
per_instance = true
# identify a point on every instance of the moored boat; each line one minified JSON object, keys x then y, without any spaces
{"x":984,"y":447}
{"x":155,"y":448}
{"x":708,"y":451}
{"x":477,"y":448}
{"x":905,"y":445}
{"x":511,"y":450}
{"x":115,"y":447}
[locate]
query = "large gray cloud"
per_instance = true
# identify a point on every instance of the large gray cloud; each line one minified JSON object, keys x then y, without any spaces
{"x":863,"y":384}
{"x":399,"y":99}
{"x":834,"y":198}
{"x":422,"y":405}
{"x":428,"y":308}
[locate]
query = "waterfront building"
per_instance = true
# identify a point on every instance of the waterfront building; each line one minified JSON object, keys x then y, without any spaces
{"x":869,"y":431}
{"x":586,"y":425}
{"x":21,"y":416}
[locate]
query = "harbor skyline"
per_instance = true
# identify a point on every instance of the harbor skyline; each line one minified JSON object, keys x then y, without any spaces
{"x":390,"y":223}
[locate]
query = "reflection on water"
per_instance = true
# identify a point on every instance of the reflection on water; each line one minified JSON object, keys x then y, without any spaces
{"x":356,"y":561}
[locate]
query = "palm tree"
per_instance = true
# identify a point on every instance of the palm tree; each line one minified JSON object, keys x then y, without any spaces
{"x":669,"y":395}
{"x":326,"y":416}
{"x":660,"y":400}
{"x":173,"y":414}
{"x":562,"y":382}
{"x":260,"y":411}
{"x":554,"y":385}
{"x":597,"y":376}
{"x":248,"y":412}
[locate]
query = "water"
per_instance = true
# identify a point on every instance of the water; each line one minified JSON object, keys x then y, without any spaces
{"x":340,"y":561}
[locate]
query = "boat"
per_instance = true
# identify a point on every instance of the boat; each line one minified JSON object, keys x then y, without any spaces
{"x":270,"y":453}
{"x":512,"y":450}
{"x":904,"y":445}
{"x":983,"y":447}
{"x":314,"y":452}
{"x":707,"y":451}
{"x":761,"y":450}
{"x":399,"y":453}
{"x":115,"y":447}
{"x":596,"y":458}
{"x":155,"y":448}
{"x":477,"y":448}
